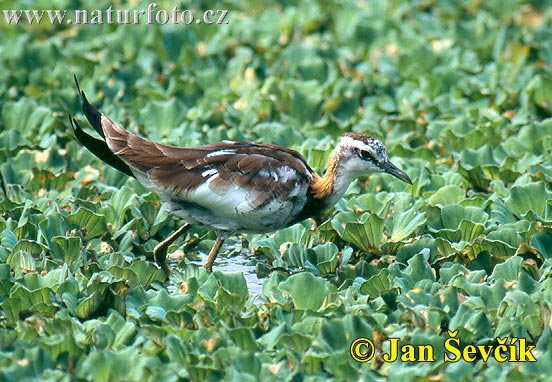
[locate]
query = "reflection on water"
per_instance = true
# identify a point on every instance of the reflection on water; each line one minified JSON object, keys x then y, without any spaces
{"x":238,"y":263}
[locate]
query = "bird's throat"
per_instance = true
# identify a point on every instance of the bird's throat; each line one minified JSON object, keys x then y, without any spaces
{"x":330,"y":187}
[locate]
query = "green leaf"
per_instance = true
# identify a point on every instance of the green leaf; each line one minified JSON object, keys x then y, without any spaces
{"x":9,"y":239}
{"x":377,"y":284}
{"x":127,"y":275}
{"x":451,"y":216}
{"x":543,"y":92}
{"x":91,"y":224}
{"x":518,"y":307}
{"x":89,"y":305}
{"x":459,"y":93}
{"x":296,"y":255}
{"x":295,"y":341}
{"x":22,"y":262}
{"x":303,"y":99}
{"x":59,"y":344}
{"x":470,"y":320}
{"x":405,"y":223}
{"x":110,"y":366}
{"x":52,"y":226}
{"x":162,"y":117}
{"x":306,"y":291}
{"x":366,"y":234}
{"x":147,"y":273}
{"x":375,"y":203}
{"x":418,"y":270}
{"x":31,"y":247}
{"x":450,"y":194}
{"x":508,"y":270}
{"x":542,"y":242}
{"x":326,"y":258}
{"x":26,"y":116}
{"x":232,"y":291}
{"x":68,"y":251}
{"x":531,"y":197}
{"x":244,"y":339}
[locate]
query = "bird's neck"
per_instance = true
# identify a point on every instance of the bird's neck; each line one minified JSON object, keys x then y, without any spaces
{"x":331,"y":187}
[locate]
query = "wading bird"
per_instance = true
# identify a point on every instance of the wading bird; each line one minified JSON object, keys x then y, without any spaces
{"x":233,"y":187}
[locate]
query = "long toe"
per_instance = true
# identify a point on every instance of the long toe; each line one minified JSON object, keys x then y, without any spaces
{"x":160,"y":257}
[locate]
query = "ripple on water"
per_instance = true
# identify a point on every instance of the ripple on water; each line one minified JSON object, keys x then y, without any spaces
{"x":240,"y":263}
{"x":235,"y":263}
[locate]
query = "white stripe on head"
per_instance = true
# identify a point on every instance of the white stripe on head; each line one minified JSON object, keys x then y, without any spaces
{"x":373,"y":146}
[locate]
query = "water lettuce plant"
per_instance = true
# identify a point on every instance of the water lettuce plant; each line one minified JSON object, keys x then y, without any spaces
{"x":460,"y":92}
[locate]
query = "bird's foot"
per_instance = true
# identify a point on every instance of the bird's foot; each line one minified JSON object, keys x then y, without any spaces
{"x":160,"y":250}
{"x":213,"y":254}
{"x":160,"y":257}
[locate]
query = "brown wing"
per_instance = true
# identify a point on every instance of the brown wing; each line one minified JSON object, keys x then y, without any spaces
{"x":263,"y":170}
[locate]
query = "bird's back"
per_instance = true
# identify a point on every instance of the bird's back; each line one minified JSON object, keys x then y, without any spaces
{"x":229,"y":186}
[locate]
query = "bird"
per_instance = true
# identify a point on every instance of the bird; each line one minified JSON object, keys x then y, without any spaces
{"x":232,"y":187}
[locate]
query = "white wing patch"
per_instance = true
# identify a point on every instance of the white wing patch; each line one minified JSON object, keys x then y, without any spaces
{"x":208,"y":173}
{"x":220,"y":152}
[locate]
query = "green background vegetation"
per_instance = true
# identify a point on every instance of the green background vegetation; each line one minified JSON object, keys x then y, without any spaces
{"x":459,"y":91}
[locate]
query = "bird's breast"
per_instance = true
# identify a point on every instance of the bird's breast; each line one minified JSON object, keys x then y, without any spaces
{"x":227,"y":204}
{"x":235,"y":214}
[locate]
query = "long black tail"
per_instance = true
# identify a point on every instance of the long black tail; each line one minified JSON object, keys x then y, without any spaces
{"x":98,"y":147}
{"x":92,"y":114}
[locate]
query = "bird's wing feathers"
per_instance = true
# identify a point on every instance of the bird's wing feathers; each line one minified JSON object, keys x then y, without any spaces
{"x":259,"y":171}
{"x":231,"y":178}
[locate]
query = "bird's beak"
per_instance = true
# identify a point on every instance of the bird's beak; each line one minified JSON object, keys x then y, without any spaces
{"x":390,"y":168}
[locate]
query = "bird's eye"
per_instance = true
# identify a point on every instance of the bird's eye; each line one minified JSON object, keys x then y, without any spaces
{"x":366,"y":155}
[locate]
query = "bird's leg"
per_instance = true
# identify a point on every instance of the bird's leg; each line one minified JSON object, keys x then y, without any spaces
{"x":160,"y":250}
{"x":213,"y":254}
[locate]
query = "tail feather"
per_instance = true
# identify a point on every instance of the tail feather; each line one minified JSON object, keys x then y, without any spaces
{"x":98,"y":147}
{"x":91,"y":113}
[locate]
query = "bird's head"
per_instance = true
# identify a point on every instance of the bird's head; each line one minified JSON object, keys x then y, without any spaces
{"x":360,"y":154}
